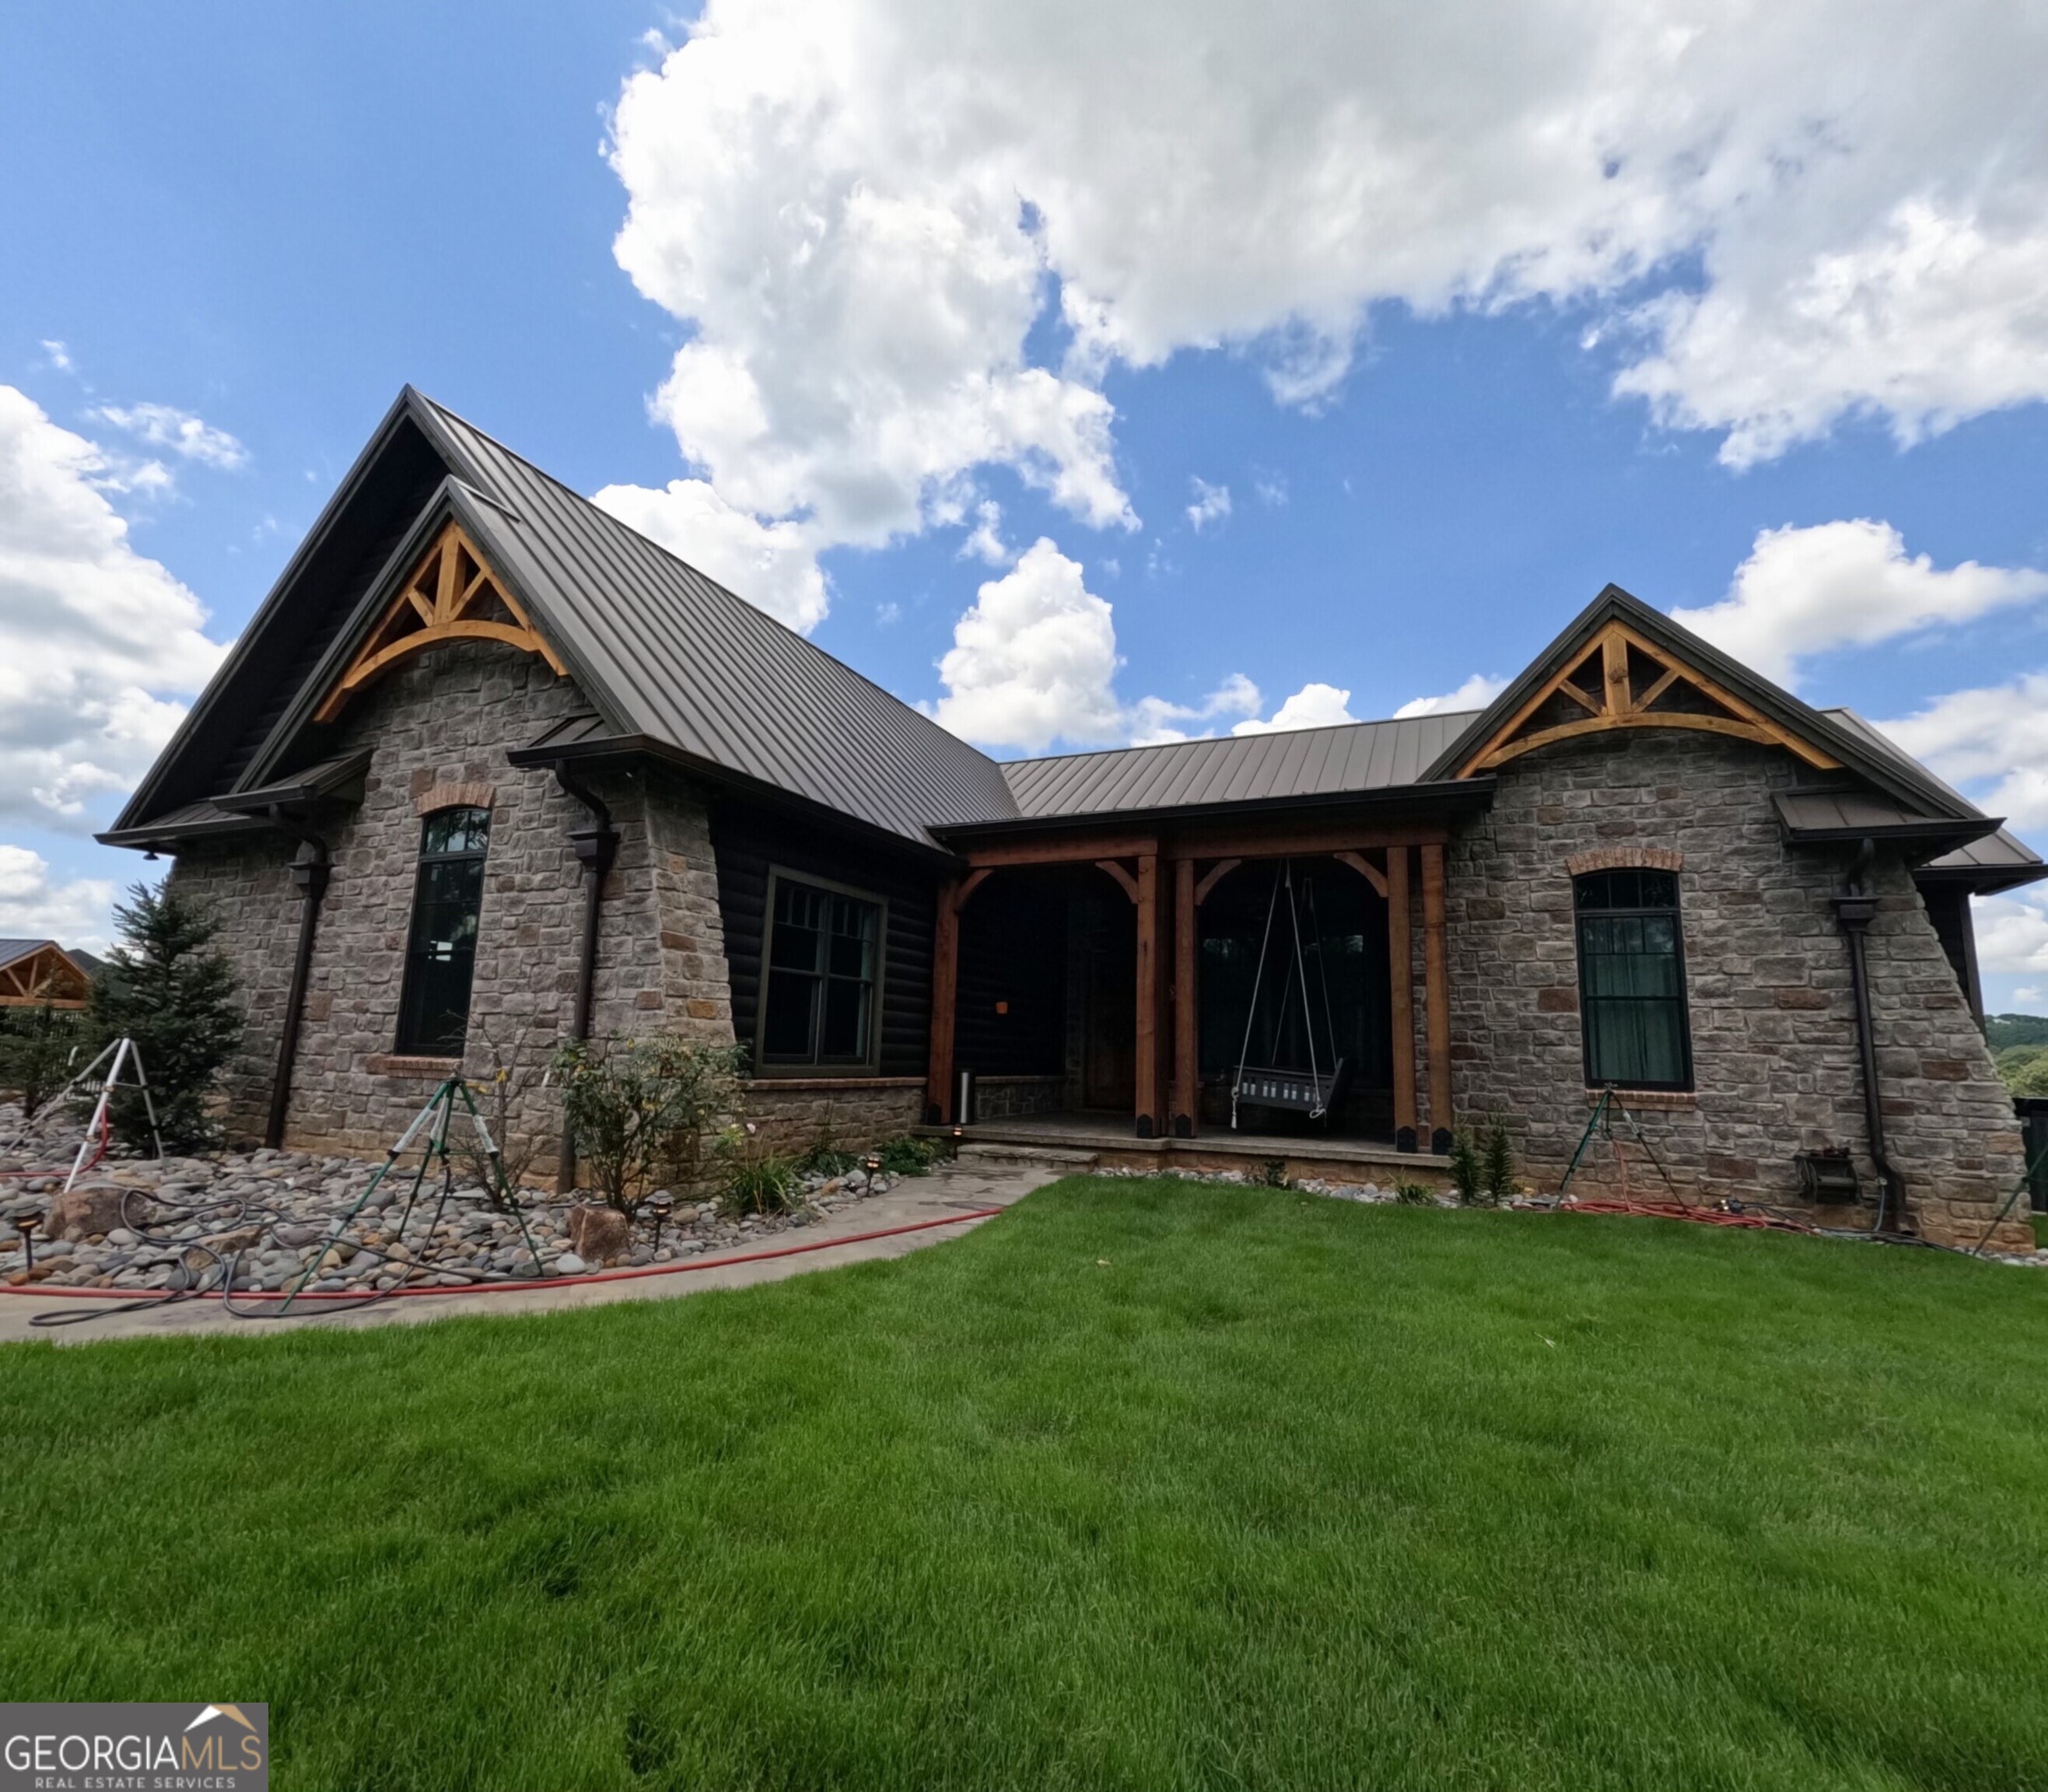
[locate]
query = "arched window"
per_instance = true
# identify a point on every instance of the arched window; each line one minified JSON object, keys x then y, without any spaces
{"x":1632,"y":980}
{"x":440,"y":952}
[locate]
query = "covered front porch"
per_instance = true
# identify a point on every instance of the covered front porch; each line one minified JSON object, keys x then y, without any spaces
{"x":1274,"y":979}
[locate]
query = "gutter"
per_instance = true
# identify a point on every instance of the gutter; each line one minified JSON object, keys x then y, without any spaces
{"x":1854,"y":909}
{"x":596,"y":847}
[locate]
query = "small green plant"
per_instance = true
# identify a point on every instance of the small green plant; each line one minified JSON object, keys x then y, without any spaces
{"x":757,"y":1180}
{"x":1414,"y":1194}
{"x":1467,"y":1172}
{"x":168,"y":989}
{"x":1497,"y":1163}
{"x":1273,"y":1172}
{"x":824,"y":1156}
{"x":640,"y":1109}
{"x":909,"y":1155}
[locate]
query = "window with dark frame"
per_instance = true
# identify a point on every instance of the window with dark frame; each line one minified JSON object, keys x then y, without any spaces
{"x":440,"y":951}
{"x":818,"y":968}
{"x":1632,"y":980}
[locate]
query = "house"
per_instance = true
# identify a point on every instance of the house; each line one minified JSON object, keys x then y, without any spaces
{"x":41,"y":974}
{"x":487,"y":762}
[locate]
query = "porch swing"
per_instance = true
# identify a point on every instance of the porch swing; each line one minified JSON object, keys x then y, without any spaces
{"x":1315,"y":1091}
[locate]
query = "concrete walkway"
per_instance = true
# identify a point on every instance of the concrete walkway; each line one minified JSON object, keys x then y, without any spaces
{"x":950,"y":1190}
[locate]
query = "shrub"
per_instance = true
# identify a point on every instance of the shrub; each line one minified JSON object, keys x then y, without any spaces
{"x":639,"y":1111}
{"x":824,"y":1156}
{"x":1467,"y":1174}
{"x":1414,"y":1194}
{"x":757,"y":1180}
{"x":165,"y":988}
{"x":909,"y":1155}
{"x":1273,"y":1172}
{"x":1497,"y":1164}
{"x":509,"y":1062}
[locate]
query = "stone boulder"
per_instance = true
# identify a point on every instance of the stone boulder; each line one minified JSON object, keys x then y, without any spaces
{"x":600,"y":1235}
{"x":93,"y":1209}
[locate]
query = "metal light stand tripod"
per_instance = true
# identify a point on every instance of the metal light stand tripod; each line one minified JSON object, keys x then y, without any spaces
{"x":433,"y":1120}
{"x":1603,"y":1122}
{"x":125,"y":1056}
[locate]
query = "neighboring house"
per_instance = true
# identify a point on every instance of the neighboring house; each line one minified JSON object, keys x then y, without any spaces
{"x":487,"y":758}
{"x":41,"y":974}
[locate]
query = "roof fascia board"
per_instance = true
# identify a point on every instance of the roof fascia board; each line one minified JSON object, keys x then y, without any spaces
{"x":1613,"y":603}
{"x":150,"y":837}
{"x":1982,"y":880}
{"x":408,"y":405}
{"x":623,"y":751}
{"x":1459,"y":793}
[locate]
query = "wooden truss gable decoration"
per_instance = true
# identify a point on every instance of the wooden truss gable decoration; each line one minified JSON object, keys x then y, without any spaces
{"x":45,"y":978}
{"x":1622,"y":680}
{"x":451,"y":594}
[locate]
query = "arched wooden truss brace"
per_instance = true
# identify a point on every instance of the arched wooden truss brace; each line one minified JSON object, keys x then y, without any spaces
{"x":452,"y":594}
{"x":1622,"y":681}
{"x":46,"y":977}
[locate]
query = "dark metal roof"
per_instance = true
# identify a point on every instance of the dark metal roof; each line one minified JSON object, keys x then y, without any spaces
{"x":12,"y":949}
{"x":341,"y":779}
{"x":1301,"y":762}
{"x":672,"y":655}
{"x":1817,"y":816}
{"x":1999,"y":861}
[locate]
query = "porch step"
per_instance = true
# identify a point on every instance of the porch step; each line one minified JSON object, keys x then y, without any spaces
{"x":1051,"y":1157}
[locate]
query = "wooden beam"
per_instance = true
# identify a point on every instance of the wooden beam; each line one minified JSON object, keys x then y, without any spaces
{"x":945,"y":991}
{"x":1365,"y":868}
{"x":1658,"y":688}
{"x":1187,"y":1043}
{"x":1438,"y":997}
{"x":1059,"y":849}
{"x":1401,"y":984}
{"x":972,"y":881}
{"x":1149,"y":1105}
{"x":1727,"y":725}
{"x":1213,"y":876}
{"x":1614,"y":661}
{"x":1116,"y":871}
{"x":1300,"y":841}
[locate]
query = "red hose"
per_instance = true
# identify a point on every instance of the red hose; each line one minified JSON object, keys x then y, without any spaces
{"x":1699,"y":1216}
{"x":92,"y":1162}
{"x":360,"y":1295}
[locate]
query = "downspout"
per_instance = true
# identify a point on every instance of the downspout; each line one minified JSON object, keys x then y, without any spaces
{"x":310,"y":868}
{"x":1854,"y":909}
{"x":596,"y":847}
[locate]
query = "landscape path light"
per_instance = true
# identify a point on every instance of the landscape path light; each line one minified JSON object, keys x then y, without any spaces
{"x":661,"y":1206}
{"x":27,"y":1227}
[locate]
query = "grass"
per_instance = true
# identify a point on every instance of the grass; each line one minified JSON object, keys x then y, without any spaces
{"x":1141,"y":1485}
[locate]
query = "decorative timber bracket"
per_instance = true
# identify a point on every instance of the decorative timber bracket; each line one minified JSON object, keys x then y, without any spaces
{"x":451,"y":594}
{"x":1622,"y":680}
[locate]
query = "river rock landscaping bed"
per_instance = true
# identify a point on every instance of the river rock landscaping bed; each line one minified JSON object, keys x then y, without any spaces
{"x":184,"y":1223}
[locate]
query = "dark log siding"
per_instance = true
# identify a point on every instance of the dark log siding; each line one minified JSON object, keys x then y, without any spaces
{"x":1013,"y":950}
{"x":748,"y":840}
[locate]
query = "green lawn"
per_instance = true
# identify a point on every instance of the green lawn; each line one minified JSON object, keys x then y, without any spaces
{"x":1141,"y":1485}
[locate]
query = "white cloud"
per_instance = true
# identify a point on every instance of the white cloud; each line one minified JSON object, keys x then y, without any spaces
{"x":2012,"y":936}
{"x":96,"y":639}
{"x":1211,"y":504}
{"x":1802,"y":591}
{"x":986,"y":541}
{"x":163,"y":426}
{"x":772,"y":565}
{"x":60,"y":356}
{"x":1313,"y":706}
{"x":32,"y":907}
{"x":1992,"y":741}
{"x":1476,"y":692}
{"x":2031,"y":994}
{"x":862,"y":209}
{"x":1035,"y":662}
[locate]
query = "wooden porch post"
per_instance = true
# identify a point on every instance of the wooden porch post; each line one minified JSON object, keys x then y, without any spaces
{"x":1187,"y":1062}
{"x":1437,"y":973}
{"x":1401,"y":986}
{"x":1149,"y":1104}
{"x":946,"y":986}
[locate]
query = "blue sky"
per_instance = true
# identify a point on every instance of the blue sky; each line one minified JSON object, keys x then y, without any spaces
{"x":268,"y":218}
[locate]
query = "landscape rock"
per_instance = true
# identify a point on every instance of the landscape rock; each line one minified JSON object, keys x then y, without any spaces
{"x":600,"y":1235}
{"x":90,"y":1207}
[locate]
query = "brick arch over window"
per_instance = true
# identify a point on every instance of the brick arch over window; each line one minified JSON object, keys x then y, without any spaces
{"x":1625,"y":858}
{"x":444,"y":793}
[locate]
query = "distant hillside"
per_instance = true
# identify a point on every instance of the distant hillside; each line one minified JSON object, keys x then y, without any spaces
{"x":2002,"y":1030}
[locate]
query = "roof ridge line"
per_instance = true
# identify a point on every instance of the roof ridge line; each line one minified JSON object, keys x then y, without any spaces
{"x":1205,"y":740}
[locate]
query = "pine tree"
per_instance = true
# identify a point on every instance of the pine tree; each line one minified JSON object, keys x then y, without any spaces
{"x":36,"y":1049}
{"x":166,"y":989}
{"x":1499,"y":1163}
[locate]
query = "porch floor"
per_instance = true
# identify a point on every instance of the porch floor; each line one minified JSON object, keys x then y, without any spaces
{"x":1103,"y":1140}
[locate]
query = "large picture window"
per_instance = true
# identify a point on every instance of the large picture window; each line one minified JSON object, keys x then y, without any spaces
{"x":440,"y":951}
{"x":1632,"y":980}
{"x":819,"y":966}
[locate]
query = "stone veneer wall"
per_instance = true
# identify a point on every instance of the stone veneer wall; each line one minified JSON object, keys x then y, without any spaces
{"x":439,"y":727}
{"x":793,"y":1114}
{"x":1767,"y":974}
